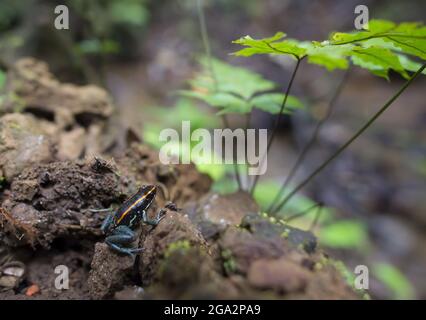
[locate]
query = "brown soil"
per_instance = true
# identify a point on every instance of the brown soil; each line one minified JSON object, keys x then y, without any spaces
{"x":214,"y":247}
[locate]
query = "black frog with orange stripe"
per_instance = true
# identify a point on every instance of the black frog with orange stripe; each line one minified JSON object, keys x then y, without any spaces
{"x":118,"y":227}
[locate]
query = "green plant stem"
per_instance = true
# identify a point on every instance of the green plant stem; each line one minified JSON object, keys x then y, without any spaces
{"x":352,"y":139}
{"x":277,"y":122}
{"x":310,"y":143}
{"x":205,"y":38}
{"x":316,"y":219}
{"x":237,"y":172}
{"x":206,"y":42}
{"x":248,"y":121}
{"x":301,"y":214}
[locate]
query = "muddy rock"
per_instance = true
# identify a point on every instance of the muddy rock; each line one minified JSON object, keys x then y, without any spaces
{"x":239,"y":248}
{"x":326,"y":283}
{"x":180,"y":184}
{"x":24,"y":141}
{"x":80,"y":115}
{"x":37,"y":90}
{"x":52,"y":200}
{"x":269,"y":227}
{"x":175,"y":231}
{"x":226,"y":209}
{"x":71,"y":144}
{"x":281,"y":275}
{"x":189,"y":273}
{"x":109,"y":272}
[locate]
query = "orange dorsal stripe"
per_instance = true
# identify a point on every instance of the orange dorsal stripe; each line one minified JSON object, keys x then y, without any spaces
{"x":134,"y":204}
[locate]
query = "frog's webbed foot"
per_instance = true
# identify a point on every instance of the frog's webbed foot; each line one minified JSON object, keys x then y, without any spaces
{"x":172,"y":206}
{"x":160,"y":215}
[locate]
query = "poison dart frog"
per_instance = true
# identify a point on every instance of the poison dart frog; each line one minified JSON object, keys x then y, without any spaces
{"x":118,"y":227}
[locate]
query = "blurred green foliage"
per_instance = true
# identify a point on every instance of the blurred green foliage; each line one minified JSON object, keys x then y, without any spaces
{"x":2,"y":79}
{"x":394,"y":280}
{"x":265,"y":193}
{"x":184,"y":110}
{"x":344,"y":234}
{"x":236,"y":90}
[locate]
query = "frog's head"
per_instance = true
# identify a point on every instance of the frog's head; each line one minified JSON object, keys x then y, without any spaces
{"x":148,"y":192}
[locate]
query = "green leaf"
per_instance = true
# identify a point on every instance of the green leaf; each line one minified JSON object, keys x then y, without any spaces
{"x":227,"y":101}
{"x":271,"y":102}
{"x":394,"y":280}
{"x":228,"y":88}
{"x":375,"y":29}
{"x":269,"y":46}
{"x":408,"y":37}
{"x":408,"y":64}
{"x":184,"y":110}
{"x":344,"y":234}
{"x":231,"y":79}
{"x":377,"y":49}
{"x":326,"y":56}
{"x":378,"y":59}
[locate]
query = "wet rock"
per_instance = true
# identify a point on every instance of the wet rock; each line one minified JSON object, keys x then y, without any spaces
{"x":189,"y":273}
{"x":240,"y":248}
{"x":215,"y":212}
{"x":281,"y":275}
{"x":24,"y":141}
{"x":226,"y":209}
{"x":175,"y":231}
{"x":109,"y":272}
{"x":269,"y":227}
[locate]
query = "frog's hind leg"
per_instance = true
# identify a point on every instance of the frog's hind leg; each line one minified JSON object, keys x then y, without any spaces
{"x":122,"y":237}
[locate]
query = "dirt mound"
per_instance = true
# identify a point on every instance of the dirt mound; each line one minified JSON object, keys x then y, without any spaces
{"x":56,"y":188}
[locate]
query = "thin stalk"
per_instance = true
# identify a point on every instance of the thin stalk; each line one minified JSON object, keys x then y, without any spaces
{"x":277,"y":122}
{"x":301,"y":214}
{"x":237,"y":172}
{"x":248,"y":120}
{"x":352,"y":139}
{"x":316,"y":219}
{"x":206,"y":42}
{"x":205,"y":37}
{"x":310,"y":143}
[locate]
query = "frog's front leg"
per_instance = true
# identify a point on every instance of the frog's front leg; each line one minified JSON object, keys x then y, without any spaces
{"x":121,"y":238}
{"x":154,"y":222}
{"x":106,"y":224}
